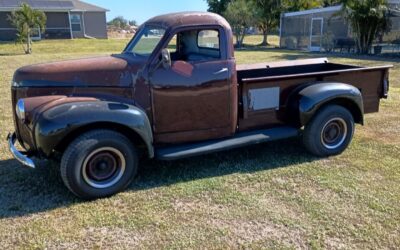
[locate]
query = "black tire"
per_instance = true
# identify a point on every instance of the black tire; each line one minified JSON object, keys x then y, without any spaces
{"x":98,"y":164}
{"x":329,"y":132}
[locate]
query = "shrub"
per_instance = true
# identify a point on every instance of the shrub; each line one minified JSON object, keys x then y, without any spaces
{"x":328,"y":41}
{"x":291,"y":42}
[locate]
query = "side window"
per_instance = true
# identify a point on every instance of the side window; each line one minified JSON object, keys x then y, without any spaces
{"x":208,"y":39}
{"x":195,"y":46}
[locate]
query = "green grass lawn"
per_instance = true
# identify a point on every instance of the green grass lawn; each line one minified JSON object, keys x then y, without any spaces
{"x":252,"y":40}
{"x":274,"y":195}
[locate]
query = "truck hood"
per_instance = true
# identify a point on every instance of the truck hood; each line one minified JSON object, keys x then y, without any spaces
{"x":113,"y":71}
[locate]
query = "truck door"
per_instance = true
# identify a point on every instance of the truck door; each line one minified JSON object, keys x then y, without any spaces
{"x":191,"y":99}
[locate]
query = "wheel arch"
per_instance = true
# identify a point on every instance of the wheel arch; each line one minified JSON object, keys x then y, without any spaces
{"x":128,"y":132}
{"x":347,"y":104}
{"x":314,"y":97}
{"x":60,"y":125}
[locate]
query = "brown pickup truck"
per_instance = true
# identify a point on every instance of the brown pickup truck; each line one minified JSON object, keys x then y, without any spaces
{"x":174,"y":92}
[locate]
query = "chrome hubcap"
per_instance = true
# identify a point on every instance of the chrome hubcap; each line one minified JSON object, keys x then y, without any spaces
{"x":334,"y":133}
{"x":104,"y":167}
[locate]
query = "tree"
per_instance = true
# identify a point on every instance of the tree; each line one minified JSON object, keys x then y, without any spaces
{"x":240,"y":14}
{"x":267,"y":16}
{"x":119,"y":22}
{"x":368,"y":19}
{"x":133,"y":23}
{"x":218,"y":6}
{"x":25,"y":19}
{"x":296,"y":5}
{"x":327,"y":3}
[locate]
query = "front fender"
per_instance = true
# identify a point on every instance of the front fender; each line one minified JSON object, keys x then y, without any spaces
{"x":56,"y":123}
{"x":315,"y":96}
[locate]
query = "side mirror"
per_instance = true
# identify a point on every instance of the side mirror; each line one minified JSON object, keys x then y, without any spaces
{"x":166,"y":58}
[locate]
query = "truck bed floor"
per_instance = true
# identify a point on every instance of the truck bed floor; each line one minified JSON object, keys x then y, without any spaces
{"x":239,"y":140}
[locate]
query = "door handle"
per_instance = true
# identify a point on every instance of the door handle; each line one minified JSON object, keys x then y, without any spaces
{"x":223,"y":70}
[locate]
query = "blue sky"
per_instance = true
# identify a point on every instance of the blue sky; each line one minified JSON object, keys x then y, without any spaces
{"x":141,"y":10}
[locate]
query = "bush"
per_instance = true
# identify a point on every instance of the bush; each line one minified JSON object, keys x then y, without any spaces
{"x":291,"y":42}
{"x":396,"y":41}
{"x":328,"y":42}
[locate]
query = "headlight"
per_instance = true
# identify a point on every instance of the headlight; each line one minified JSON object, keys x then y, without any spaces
{"x":14,"y":84}
{"x":20,"y":109}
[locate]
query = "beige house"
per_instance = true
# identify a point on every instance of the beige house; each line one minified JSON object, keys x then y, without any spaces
{"x":66,"y":19}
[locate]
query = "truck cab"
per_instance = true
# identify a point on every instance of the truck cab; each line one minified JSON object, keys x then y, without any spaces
{"x":191,"y":76}
{"x":175,"y":92}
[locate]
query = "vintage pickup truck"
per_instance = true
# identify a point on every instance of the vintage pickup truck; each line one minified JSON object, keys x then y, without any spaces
{"x":174,"y":92}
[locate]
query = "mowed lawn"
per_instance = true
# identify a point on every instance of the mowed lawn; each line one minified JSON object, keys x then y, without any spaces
{"x":274,"y":195}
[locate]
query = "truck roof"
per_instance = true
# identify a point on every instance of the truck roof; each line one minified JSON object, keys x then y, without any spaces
{"x":188,"y":19}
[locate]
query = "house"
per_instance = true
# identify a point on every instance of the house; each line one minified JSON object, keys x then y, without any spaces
{"x":317,"y":29}
{"x":66,"y":19}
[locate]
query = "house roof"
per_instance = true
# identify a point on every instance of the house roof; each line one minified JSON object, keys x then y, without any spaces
{"x":80,"y":5}
{"x":394,"y":1}
{"x":392,"y":5}
{"x":67,"y":5}
{"x":313,"y":11}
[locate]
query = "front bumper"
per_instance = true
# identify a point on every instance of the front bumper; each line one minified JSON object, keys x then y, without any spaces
{"x":19,"y":156}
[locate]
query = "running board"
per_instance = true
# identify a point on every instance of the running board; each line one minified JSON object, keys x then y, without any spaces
{"x":239,"y":140}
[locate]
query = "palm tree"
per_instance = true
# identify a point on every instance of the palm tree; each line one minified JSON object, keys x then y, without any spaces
{"x":368,"y":19}
{"x":25,"y":20}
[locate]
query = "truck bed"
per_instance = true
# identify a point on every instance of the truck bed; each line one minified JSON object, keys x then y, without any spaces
{"x":265,"y":87}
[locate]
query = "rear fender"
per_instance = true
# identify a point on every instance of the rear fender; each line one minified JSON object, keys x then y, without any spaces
{"x":57,"y":123}
{"x":313,"y":97}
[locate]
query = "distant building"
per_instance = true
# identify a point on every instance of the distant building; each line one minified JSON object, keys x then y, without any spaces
{"x":312,"y":29}
{"x":66,"y":19}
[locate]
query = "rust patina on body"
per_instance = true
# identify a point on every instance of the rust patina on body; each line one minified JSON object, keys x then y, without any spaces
{"x":175,"y":91}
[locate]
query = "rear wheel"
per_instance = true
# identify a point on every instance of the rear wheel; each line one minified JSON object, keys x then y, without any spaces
{"x":330,"y":131}
{"x":98,"y":164}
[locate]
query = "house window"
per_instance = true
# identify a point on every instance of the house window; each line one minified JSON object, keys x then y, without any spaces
{"x":76,"y":22}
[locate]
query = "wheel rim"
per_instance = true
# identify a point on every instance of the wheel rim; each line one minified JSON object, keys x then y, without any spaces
{"x":334,"y":133}
{"x":103,"y":167}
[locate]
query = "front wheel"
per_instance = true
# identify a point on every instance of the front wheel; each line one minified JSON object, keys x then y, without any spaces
{"x":98,"y":164}
{"x":330,"y":131}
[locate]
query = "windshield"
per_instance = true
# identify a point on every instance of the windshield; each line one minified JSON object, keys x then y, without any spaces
{"x":146,"y":41}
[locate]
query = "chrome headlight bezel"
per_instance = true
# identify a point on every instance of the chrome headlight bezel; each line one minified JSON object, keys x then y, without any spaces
{"x":14,"y":84}
{"x":20,"y":109}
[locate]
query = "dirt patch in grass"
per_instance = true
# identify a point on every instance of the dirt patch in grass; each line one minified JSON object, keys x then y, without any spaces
{"x":244,"y":233}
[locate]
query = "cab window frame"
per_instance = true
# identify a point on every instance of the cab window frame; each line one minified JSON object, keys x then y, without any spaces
{"x":174,"y":31}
